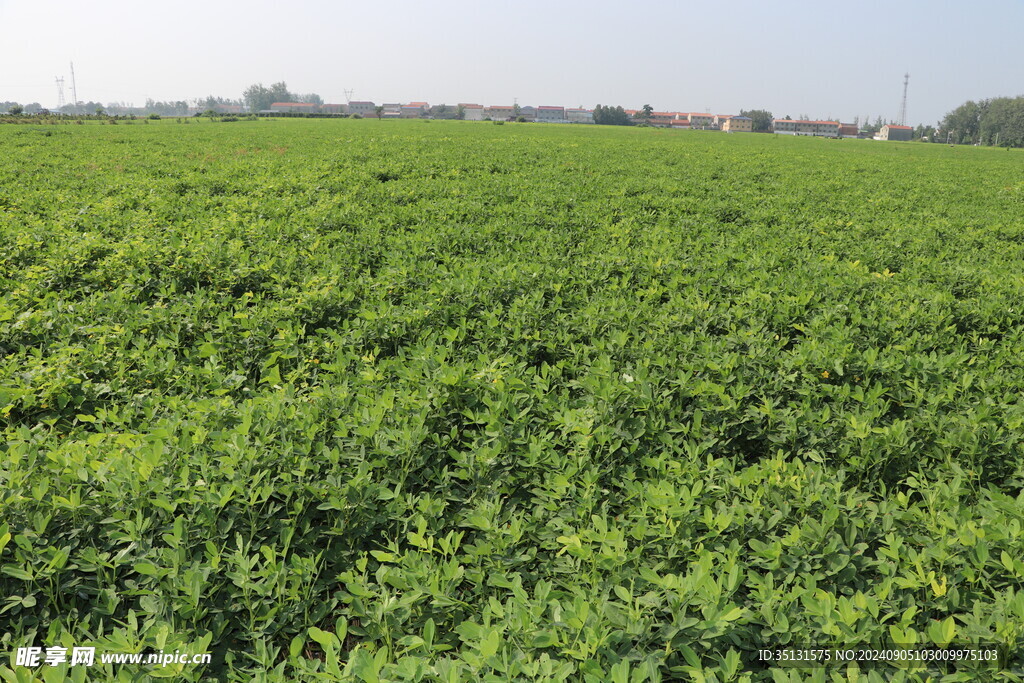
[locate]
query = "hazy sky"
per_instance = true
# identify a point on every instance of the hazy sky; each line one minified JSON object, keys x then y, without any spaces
{"x":823,"y":59}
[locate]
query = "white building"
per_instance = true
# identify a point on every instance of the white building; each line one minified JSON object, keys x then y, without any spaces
{"x":362,"y":108}
{"x":499,"y":112}
{"x":472,"y":112}
{"x":579,"y":115}
{"x":701,"y":121}
{"x":551,"y":115}
{"x":826,"y":129}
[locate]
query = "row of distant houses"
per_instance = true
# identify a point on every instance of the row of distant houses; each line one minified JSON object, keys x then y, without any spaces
{"x":463,"y":110}
{"x":835,"y":129}
{"x":830,"y":129}
{"x":509,"y":112}
{"x":552,"y":114}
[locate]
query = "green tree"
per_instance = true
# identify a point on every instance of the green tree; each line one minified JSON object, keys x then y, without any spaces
{"x":924,"y":133}
{"x":872,"y":128}
{"x":379,"y":111}
{"x":963,"y":124}
{"x":761,"y":119}
{"x":279,"y":93}
{"x":16,"y":109}
{"x":611,"y":116}
{"x":1002,"y":122}
{"x":258,"y":97}
{"x":645,"y":113}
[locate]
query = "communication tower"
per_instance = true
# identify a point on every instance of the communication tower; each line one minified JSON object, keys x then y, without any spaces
{"x":74,"y":90}
{"x":903,"y":106}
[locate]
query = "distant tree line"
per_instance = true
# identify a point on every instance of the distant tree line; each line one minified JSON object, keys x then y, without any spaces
{"x":997,"y":121}
{"x":611,"y":116}
{"x":33,"y":108}
{"x":259,"y":97}
{"x":168,"y":108}
{"x":18,"y":108}
{"x":256,"y":98}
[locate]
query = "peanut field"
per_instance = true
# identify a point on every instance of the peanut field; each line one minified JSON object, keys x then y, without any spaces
{"x":374,"y":401}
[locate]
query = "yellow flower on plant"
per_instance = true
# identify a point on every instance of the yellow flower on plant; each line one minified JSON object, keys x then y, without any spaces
{"x":825,"y":374}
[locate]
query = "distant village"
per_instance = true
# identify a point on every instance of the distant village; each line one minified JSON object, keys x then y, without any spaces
{"x":554,"y":114}
{"x":729,"y":123}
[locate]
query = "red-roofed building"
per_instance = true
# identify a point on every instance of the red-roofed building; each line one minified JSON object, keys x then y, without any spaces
{"x":899,"y":133}
{"x":413,"y":110}
{"x":499,"y":112}
{"x":848,"y":130}
{"x":662,"y":119}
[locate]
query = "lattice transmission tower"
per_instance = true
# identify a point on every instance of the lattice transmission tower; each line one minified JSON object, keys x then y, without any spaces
{"x":60,"y":93}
